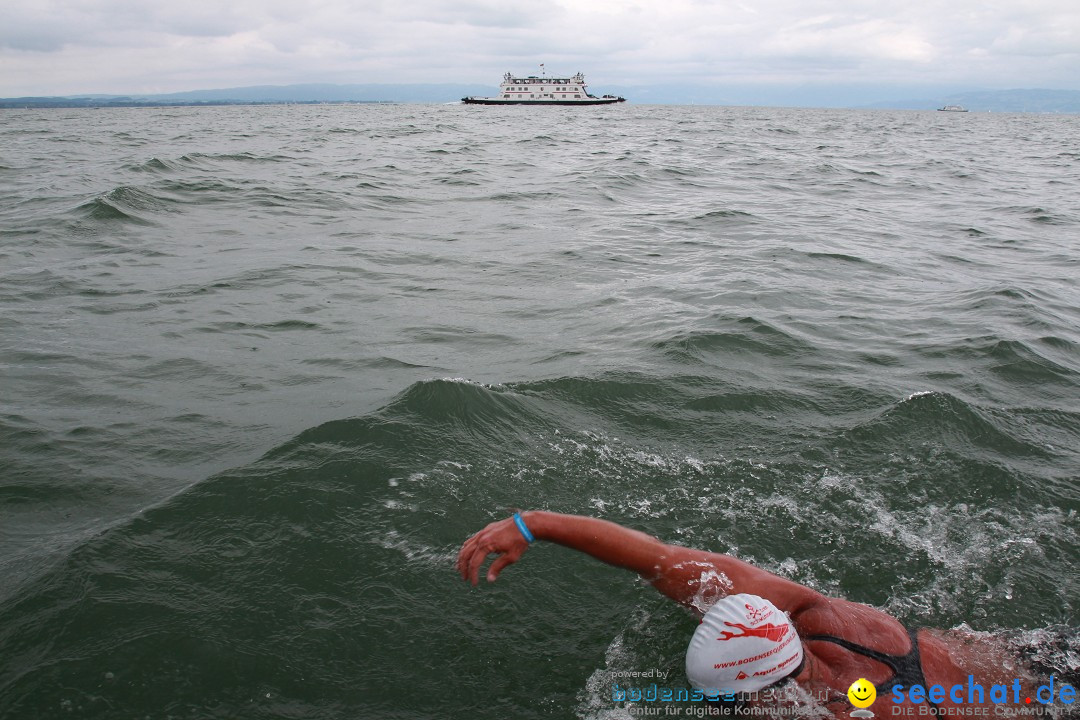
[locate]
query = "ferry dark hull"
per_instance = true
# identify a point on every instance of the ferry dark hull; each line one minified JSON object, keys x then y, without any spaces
{"x":500,"y":101}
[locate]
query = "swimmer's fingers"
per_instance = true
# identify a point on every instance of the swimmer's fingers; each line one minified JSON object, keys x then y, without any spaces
{"x":473,"y":554}
{"x":470,"y":558}
{"x":499,"y":538}
{"x":501,"y":562}
{"x":461,"y":557}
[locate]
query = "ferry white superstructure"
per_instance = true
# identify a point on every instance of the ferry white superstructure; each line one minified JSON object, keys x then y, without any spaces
{"x":534,"y":90}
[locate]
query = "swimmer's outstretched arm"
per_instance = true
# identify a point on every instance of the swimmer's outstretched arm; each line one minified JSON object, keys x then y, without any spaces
{"x":674,"y":570}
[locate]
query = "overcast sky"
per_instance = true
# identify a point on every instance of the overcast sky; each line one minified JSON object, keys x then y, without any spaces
{"x":62,"y":47}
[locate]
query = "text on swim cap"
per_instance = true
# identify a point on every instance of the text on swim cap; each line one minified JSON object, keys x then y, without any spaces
{"x":755,"y":658}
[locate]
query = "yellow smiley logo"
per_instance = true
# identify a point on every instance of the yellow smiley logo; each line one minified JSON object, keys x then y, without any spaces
{"x":862,"y":693}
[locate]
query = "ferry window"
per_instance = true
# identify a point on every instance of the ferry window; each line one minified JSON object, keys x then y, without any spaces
{"x":577,"y":96}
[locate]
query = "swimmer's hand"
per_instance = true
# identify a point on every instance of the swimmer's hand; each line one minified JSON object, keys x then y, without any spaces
{"x":501,"y":538}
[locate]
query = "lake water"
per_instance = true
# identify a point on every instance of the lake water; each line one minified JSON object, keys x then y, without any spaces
{"x":265,"y":368}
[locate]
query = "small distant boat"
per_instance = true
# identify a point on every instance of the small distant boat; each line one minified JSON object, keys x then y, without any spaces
{"x":534,"y":90}
{"x":952,"y":108}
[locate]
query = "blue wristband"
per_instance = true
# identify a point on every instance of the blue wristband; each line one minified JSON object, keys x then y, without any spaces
{"x":520,"y":522}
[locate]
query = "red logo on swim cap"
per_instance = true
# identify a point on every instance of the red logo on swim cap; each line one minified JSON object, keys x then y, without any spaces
{"x":768,"y":631}
{"x":741,"y":676}
{"x":755,"y":615}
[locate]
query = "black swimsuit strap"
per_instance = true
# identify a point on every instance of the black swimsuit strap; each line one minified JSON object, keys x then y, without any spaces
{"x":895,"y":662}
{"x":907,"y":668}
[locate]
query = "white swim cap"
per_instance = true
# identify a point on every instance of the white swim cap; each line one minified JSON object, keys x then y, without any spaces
{"x":744,"y":643}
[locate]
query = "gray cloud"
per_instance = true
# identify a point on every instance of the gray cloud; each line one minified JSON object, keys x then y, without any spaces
{"x":69,"y":46}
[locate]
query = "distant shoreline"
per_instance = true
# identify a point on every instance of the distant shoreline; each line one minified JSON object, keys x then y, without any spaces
{"x":838,"y":97}
{"x":59,"y":103}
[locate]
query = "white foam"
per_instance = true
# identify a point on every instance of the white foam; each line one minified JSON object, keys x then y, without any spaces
{"x":918,"y":393}
{"x":413,"y":551}
{"x":595,"y":699}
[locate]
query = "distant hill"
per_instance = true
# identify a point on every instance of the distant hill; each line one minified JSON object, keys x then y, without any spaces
{"x":851,"y":96}
{"x":309,"y":93}
{"x":325,"y":92}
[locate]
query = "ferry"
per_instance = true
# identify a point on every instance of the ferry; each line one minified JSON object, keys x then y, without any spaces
{"x":952,"y":108}
{"x":534,"y":90}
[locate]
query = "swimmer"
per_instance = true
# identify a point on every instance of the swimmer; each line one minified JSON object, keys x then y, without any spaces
{"x":764,"y":631}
